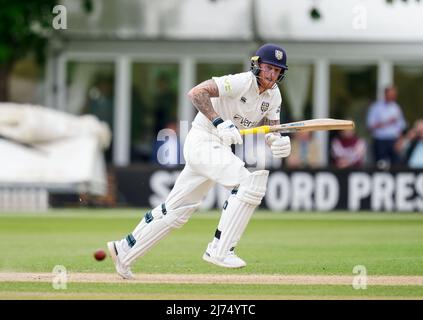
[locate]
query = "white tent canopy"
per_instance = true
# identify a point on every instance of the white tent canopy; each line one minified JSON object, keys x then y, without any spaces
{"x":46,"y":148}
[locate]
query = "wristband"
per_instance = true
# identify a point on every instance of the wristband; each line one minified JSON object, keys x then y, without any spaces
{"x":217,"y":121}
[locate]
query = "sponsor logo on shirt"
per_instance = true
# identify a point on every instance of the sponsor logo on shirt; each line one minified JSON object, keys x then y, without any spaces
{"x":243,"y":99}
{"x":244,"y":121}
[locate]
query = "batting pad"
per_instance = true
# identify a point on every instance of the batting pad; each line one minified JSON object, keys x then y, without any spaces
{"x":221,"y":224}
{"x":239,"y":211}
{"x":156,"y":224}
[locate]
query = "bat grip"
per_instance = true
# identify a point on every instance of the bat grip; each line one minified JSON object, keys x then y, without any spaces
{"x":262,"y":129}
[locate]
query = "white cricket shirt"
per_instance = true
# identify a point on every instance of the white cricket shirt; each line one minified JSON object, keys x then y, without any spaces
{"x":239,"y":100}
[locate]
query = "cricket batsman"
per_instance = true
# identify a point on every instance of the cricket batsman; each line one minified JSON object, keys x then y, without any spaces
{"x":225,"y":104}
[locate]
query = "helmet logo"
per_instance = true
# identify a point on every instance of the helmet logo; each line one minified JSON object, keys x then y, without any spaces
{"x":278,"y":54}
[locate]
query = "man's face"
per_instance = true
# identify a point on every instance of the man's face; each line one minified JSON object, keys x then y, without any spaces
{"x":391,"y":95}
{"x":268,"y":75}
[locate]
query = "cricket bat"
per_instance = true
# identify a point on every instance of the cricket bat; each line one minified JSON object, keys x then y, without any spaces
{"x":305,"y":125}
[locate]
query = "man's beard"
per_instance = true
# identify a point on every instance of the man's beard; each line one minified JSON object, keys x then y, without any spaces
{"x":265,"y":83}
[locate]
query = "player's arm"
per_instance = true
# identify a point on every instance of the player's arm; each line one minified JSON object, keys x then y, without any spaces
{"x":268,"y":122}
{"x":200,"y":97}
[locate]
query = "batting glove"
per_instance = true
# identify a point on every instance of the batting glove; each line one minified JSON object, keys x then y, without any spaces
{"x":280,"y":145}
{"x":228,"y":133}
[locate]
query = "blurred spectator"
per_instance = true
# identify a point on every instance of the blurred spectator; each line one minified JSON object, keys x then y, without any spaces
{"x":385,"y":122}
{"x":304,"y":151}
{"x":410,"y":146}
{"x":100,"y":100}
{"x":100,"y":103}
{"x":140,"y":150}
{"x":164,"y":103}
{"x":348,"y":150}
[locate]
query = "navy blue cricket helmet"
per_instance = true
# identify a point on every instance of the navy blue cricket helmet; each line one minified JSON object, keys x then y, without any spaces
{"x":271,"y":54}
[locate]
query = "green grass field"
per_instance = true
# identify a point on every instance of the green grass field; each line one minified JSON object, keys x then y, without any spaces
{"x":303,"y":244}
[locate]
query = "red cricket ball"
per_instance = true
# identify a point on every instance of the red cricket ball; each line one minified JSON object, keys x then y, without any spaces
{"x":99,"y":255}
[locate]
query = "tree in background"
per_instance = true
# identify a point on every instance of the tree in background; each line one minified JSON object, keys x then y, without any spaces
{"x":24,"y":29}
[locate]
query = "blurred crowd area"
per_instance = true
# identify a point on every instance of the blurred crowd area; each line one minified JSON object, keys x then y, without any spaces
{"x":383,"y":139}
{"x":154,"y":106}
{"x":130,"y":63}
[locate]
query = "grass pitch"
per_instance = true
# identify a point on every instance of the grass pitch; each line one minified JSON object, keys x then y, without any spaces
{"x":308,"y":244}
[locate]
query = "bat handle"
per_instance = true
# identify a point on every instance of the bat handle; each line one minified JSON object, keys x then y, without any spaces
{"x":262,"y":129}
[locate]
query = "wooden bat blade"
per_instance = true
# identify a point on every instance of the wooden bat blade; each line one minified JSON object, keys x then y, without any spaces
{"x":305,"y":125}
{"x":314,"y":125}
